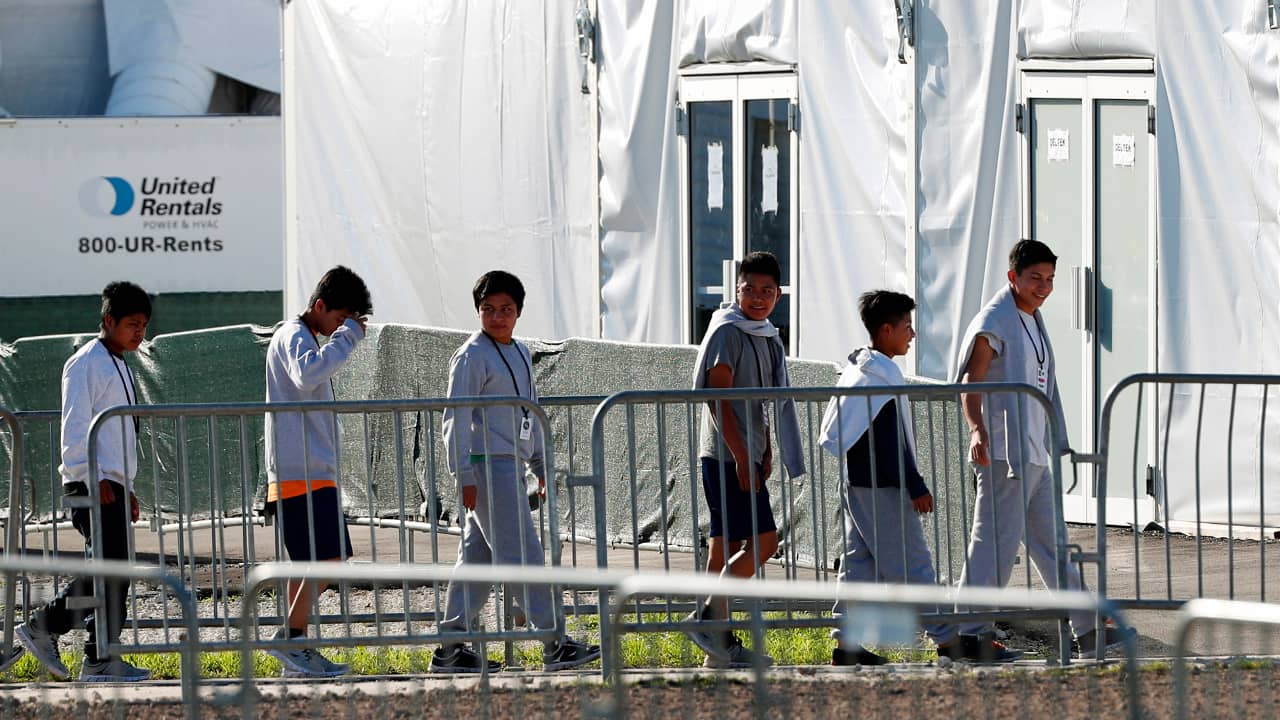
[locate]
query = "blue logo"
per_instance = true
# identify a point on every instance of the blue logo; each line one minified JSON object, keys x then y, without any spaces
{"x":101,"y":196}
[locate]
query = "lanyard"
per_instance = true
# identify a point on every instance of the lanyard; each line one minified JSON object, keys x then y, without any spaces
{"x":1041,"y":351}
{"x":131,"y":400}
{"x":516,"y":385}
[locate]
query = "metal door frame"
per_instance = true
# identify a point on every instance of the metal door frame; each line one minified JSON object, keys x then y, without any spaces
{"x":1089,"y":82}
{"x":738,"y":83}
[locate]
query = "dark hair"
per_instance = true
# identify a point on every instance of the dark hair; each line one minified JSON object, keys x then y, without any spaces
{"x":762,"y":263}
{"x":881,"y":307}
{"x":123,"y":298}
{"x":342,"y":289}
{"x":1030,"y":252}
{"x":499,"y":281}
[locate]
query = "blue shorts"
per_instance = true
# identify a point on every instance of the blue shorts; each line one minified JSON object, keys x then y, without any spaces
{"x":737,"y":504}
{"x":330,"y":526}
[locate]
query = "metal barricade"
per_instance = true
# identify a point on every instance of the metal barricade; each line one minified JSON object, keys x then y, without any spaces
{"x":187,"y":646}
{"x":206,"y":480}
{"x":646,"y":468}
{"x":1194,"y":462}
{"x":13,"y":523}
{"x":1237,"y":688}
{"x":881,"y":610}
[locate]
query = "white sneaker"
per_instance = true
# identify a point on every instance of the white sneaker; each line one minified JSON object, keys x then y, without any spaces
{"x":112,"y":670}
{"x":307,"y":663}
{"x":43,"y":645}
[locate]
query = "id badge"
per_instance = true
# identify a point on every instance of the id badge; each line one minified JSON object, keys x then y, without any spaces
{"x":526,"y":428}
{"x":1042,"y":378}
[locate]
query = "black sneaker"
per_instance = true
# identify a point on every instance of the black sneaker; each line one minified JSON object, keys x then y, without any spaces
{"x":569,"y":653}
{"x":981,"y":649}
{"x":1115,"y":638}
{"x":460,"y":659}
{"x":858,"y":656}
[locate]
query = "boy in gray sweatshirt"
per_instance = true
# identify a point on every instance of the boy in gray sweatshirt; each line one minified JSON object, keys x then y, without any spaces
{"x":301,"y":447}
{"x":1010,"y":444}
{"x":485,"y":448}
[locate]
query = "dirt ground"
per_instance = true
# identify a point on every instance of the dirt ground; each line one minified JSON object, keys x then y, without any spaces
{"x":791,"y":693}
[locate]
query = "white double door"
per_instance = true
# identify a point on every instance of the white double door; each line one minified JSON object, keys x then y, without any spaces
{"x":1088,"y":178}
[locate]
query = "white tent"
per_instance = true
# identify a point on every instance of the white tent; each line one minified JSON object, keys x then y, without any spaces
{"x":428,"y":142}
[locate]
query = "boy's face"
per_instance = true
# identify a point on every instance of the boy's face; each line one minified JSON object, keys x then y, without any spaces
{"x":1032,"y":286}
{"x":126,"y":334}
{"x":757,"y":294}
{"x":895,"y":338}
{"x":326,"y":319}
{"x":498,"y":315}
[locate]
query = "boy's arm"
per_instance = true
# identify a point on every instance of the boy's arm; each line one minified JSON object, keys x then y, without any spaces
{"x":465,"y":380}
{"x":721,"y":377}
{"x":310,"y":366}
{"x":976,"y":371}
{"x":77,"y":414}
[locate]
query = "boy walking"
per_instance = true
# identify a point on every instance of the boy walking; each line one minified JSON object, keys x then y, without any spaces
{"x":486,"y":448}
{"x":95,"y":378}
{"x":1009,"y":440}
{"x":884,"y":538}
{"x":301,"y":447}
{"x":742,"y":349}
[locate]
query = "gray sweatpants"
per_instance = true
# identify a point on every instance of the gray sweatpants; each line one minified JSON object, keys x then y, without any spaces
{"x":1001,"y":512}
{"x":884,"y":542}
{"x":500,"y":531}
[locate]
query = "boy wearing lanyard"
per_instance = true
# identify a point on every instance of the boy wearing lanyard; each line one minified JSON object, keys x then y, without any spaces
{"x":301,"y":448}
{"x":1009,"y":445}
{"x":486,"y":448}
{"x":94,"y":379}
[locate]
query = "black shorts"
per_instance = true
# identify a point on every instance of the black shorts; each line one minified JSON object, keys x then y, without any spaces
{"x":737,"y":504}
{"x":330,"y":525}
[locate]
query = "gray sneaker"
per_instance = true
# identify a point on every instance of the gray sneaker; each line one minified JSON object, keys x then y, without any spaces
{"x":710,"y":642}
{"x":737,"y":656}
{"x":307,"y":663}
{"x":43,"y":645}
{"x":112,"y":670}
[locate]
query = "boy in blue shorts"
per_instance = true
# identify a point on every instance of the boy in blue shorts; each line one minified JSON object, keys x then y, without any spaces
{"x":742,"y":349}
{"x":301,"y":448}
{"x":486,"y":449}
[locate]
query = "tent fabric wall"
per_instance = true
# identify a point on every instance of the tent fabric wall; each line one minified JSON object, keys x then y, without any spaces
{"x":967,"y":190}
{"x":435,"y":142}
{"x":1218,"y":130}
{"x":853,"y":169}
{"x":1087,"y":28}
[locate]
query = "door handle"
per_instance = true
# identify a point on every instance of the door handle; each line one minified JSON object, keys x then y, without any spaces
{"x":1082,"y":298}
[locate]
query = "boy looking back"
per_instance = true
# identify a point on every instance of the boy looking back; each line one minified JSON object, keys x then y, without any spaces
{"x":742,"y":349}
{"x":486,"y":448}
{"x":301,"y":448}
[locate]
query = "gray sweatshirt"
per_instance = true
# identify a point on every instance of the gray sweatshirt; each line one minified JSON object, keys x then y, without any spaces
{"x":1000,"y":319}
{"x":477,"y":369}
{"x":299,"y":368}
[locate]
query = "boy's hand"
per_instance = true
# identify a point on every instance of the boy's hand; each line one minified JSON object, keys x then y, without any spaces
{"x":469,"y":497}
{"x":924,"y":503}
{"x":106,"y":495}
{"x":364,"y":322}
{"x":746,"y":481}
{"x":978,"y":445}
{"x":766,"y":471}
{"x":134,"y":511}
{"x":542,"y":487}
